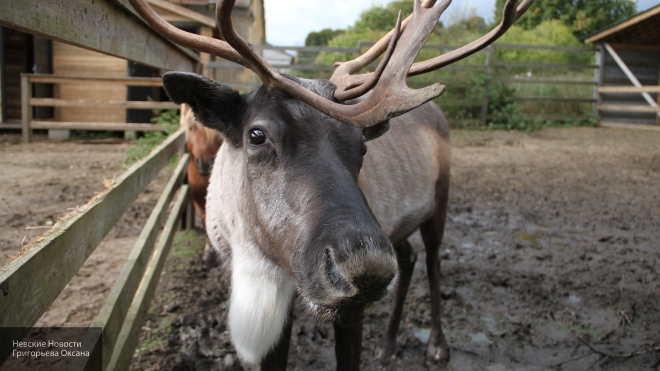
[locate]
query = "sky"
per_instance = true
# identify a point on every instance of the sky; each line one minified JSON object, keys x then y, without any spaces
{"x":289,"y":21}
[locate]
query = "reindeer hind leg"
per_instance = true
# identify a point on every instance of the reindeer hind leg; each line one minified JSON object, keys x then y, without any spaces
{"x":432,"y":230}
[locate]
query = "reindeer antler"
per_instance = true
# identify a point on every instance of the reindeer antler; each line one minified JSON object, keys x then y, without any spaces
{"x":351,"y":86}
{"x":390,"y":95}
{"x":342,"y":75}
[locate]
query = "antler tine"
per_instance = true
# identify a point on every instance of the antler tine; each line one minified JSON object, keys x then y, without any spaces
{"x":343,"y":77}
{"x":266,"y":73}
{"x":343,"y":94}
{"x":389,"y":98}
{"x":254,"y":62}
{"x":509,"y":15}
{"x":187,"y":39}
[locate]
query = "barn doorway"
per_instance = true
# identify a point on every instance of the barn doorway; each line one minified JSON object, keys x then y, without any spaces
{"x":23,"y":53}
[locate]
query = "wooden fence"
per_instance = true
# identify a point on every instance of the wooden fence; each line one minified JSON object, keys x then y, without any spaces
{"x":33,"y":281}
{"x":629,"y":107}
{"x":490,"y":69}
{"x":28,"y":102}
{"x":628,"y":90}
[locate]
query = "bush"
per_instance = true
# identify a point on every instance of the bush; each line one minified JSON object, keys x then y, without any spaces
{"x":142,"y":146}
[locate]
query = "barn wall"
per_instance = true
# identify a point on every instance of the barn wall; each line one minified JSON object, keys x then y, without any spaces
{"x":74,"y":61}
{"x":645,"y":65}
{"x":16,"y":61}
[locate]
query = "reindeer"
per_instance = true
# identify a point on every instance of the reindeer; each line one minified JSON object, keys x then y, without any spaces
{"x":318,"y":184}
{"x":203,"y":144}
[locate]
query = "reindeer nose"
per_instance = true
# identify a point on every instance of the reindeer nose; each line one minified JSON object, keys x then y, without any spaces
{"x":360,"y":268}
{"x":204,"y":165}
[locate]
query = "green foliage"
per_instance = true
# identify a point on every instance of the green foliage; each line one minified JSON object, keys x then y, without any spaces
{"x":142,"y":146}
{"x":505,"y":113}
{"x":187,"y":243}
{"x":466,"y":79}
{"x":322,"y":37}
{"x":583,"y":17}
{"x":548,"y":33}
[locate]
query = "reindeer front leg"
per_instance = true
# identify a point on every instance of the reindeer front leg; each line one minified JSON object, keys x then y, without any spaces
{"x":276,"y":359}
{"x":407,"y":258}
{"x":348,"y":344}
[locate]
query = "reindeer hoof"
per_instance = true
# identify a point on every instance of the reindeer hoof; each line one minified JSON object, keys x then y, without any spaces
{"x":437,"y":353}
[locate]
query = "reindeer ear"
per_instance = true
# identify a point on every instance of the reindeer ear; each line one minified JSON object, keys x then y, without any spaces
{"x":215,"y":105}
{"x":373,"y":132}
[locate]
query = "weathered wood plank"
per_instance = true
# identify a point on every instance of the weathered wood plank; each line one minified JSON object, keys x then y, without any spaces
{"x":96,"y":126}
{"x":629,"y":89}
{"x":125,"y":81}
{"x":623,"y":125}
{"x":32,"y":281}
{"x":130,"y":331}
{"x":113,"y":313}
{"x":55,"y":102}
{"x":554,"y":117}
{"x":545,"y":65}
{"x":620,"y":26}
{"x":184,"y":12}
{"x":629,"y":73}
{"x":544,"y":47}
{"x":555,"y":99}
{"x":26,"y":110}
{"x":544,"y":81}
{"x":627,"y":107}
{"x":306,"y":48}
{"x":106,"y":26}
{"x":363,"y":44}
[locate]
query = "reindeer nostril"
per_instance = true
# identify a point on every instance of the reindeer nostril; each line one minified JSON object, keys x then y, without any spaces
{"x":203,"y":166}
{"x":334,"y":276}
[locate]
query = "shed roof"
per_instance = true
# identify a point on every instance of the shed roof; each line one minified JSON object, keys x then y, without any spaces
{"x":641,"y":29}
{"x":184,"y":12}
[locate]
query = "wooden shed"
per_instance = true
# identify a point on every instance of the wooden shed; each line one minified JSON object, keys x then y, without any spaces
{"x":22,"y":53}
{"x":629,"y":71}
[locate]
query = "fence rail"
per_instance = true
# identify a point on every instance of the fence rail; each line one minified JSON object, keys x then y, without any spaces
{"x":107,"y":26}
{"x":492,"y":69}
{"x":28,"y":101}
{"x":33,"y":281}
{"x":629,"y":89}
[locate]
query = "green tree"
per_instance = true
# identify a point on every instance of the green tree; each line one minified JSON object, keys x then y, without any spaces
{"x":550,"y":33}
{"x":584,"y":17}
{"x":322,"y":37}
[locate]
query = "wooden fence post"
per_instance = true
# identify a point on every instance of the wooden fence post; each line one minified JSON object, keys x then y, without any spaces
{"x":657,"y":117}
{"x":26,"y":110}
{"x":599,"y":78}
{"x":188,"y":217}
{"x":489,"y":67}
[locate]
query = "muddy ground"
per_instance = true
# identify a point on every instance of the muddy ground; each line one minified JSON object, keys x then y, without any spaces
{"x":550,"y":261}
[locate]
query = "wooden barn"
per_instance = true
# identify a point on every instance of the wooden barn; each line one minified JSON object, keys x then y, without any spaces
{"x":629,"y":71}
{"x":80,"y":81}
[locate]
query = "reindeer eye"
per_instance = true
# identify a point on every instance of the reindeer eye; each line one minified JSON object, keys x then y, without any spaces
{"x":257,"y":137}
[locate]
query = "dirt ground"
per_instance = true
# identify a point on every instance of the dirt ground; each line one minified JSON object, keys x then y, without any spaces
{"x":550,"y":261}
{"x":44,"y":180}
